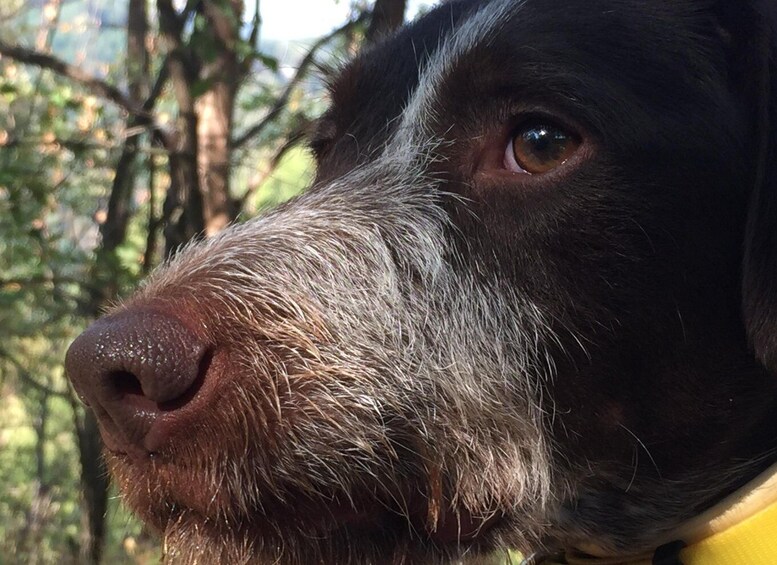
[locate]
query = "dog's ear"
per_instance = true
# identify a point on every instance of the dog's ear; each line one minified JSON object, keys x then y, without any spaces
{"x":759,"y":283}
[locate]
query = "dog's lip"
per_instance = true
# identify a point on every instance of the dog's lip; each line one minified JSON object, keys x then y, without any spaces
{"x":460,"y":525}
{"x":453,"y":525}
{"x":158,"y":425}
{"x":456,"y":525}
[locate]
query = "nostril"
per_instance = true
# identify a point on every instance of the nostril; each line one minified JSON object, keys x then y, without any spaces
{"x":181,"y":400}
{"x":136,"y":366}
{"x":124,"y":383}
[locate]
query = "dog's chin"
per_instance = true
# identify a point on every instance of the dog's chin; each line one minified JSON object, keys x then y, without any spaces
{"x":192,"y":539}
{"x":198,"y":519}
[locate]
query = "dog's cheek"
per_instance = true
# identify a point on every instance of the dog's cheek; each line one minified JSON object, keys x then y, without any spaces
{"x":577,"y":245}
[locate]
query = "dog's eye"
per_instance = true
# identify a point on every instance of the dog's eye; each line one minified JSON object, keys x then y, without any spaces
{"x":539,"y":147}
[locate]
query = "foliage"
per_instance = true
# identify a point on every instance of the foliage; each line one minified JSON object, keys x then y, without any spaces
{"x":56,"y":157}
{"x":59,"y":145}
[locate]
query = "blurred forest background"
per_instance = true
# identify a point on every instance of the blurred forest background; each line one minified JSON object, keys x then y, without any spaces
{"x":127,"y":128}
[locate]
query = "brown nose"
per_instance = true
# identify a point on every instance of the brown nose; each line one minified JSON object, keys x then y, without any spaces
{"x":134,"y":369}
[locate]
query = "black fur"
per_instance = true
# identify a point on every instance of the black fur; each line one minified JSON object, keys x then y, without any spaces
{"x":663,"y":407}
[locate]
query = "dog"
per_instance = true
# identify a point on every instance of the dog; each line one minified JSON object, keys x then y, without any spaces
{"x":528,"y":302}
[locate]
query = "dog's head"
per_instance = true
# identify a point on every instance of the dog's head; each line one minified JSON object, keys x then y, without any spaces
{"x":529,"y":301}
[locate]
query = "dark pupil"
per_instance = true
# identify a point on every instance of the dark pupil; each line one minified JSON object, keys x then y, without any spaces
{"x":545,"y":143}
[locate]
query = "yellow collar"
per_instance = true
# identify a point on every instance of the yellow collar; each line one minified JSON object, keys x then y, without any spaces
{"x":740,"y":530}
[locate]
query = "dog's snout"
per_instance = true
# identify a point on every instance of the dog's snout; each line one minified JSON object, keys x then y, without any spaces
{"x":135,"y":368}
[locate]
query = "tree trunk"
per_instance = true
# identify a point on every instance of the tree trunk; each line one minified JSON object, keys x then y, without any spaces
{"x":215,"y":110}
{"x":199,"y":201}
{"x":40,"y":509}
{"x":223,"y":73}
{"x":183,"y":206}
{"x":94,"y":486}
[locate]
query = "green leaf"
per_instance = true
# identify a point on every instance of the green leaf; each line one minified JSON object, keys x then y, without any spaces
{"x":200,"y":87}
{"x":268,"y":61}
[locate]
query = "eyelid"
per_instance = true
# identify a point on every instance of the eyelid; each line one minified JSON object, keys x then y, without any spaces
{"x":550,"y":125}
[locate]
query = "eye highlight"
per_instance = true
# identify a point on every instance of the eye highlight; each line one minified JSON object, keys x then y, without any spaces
{"x":539,"y":146}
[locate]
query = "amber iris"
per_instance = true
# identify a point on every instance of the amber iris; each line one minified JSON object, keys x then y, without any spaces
{"x":541,"y":147}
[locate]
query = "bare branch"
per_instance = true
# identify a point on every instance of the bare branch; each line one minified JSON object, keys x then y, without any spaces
{"x":158,"y":87}
{"x":302,"y":70}
{"x":153,"y":222}
{"x":91,"y":83}
{"x":256,"y":26}
{"x":294,"y":139}
{"x":83,"y":144}
{"x":42,"y":280}
{"x":27,"y":377}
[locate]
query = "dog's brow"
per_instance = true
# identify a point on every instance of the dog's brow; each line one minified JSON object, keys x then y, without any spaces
{"x":476,"y":30}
